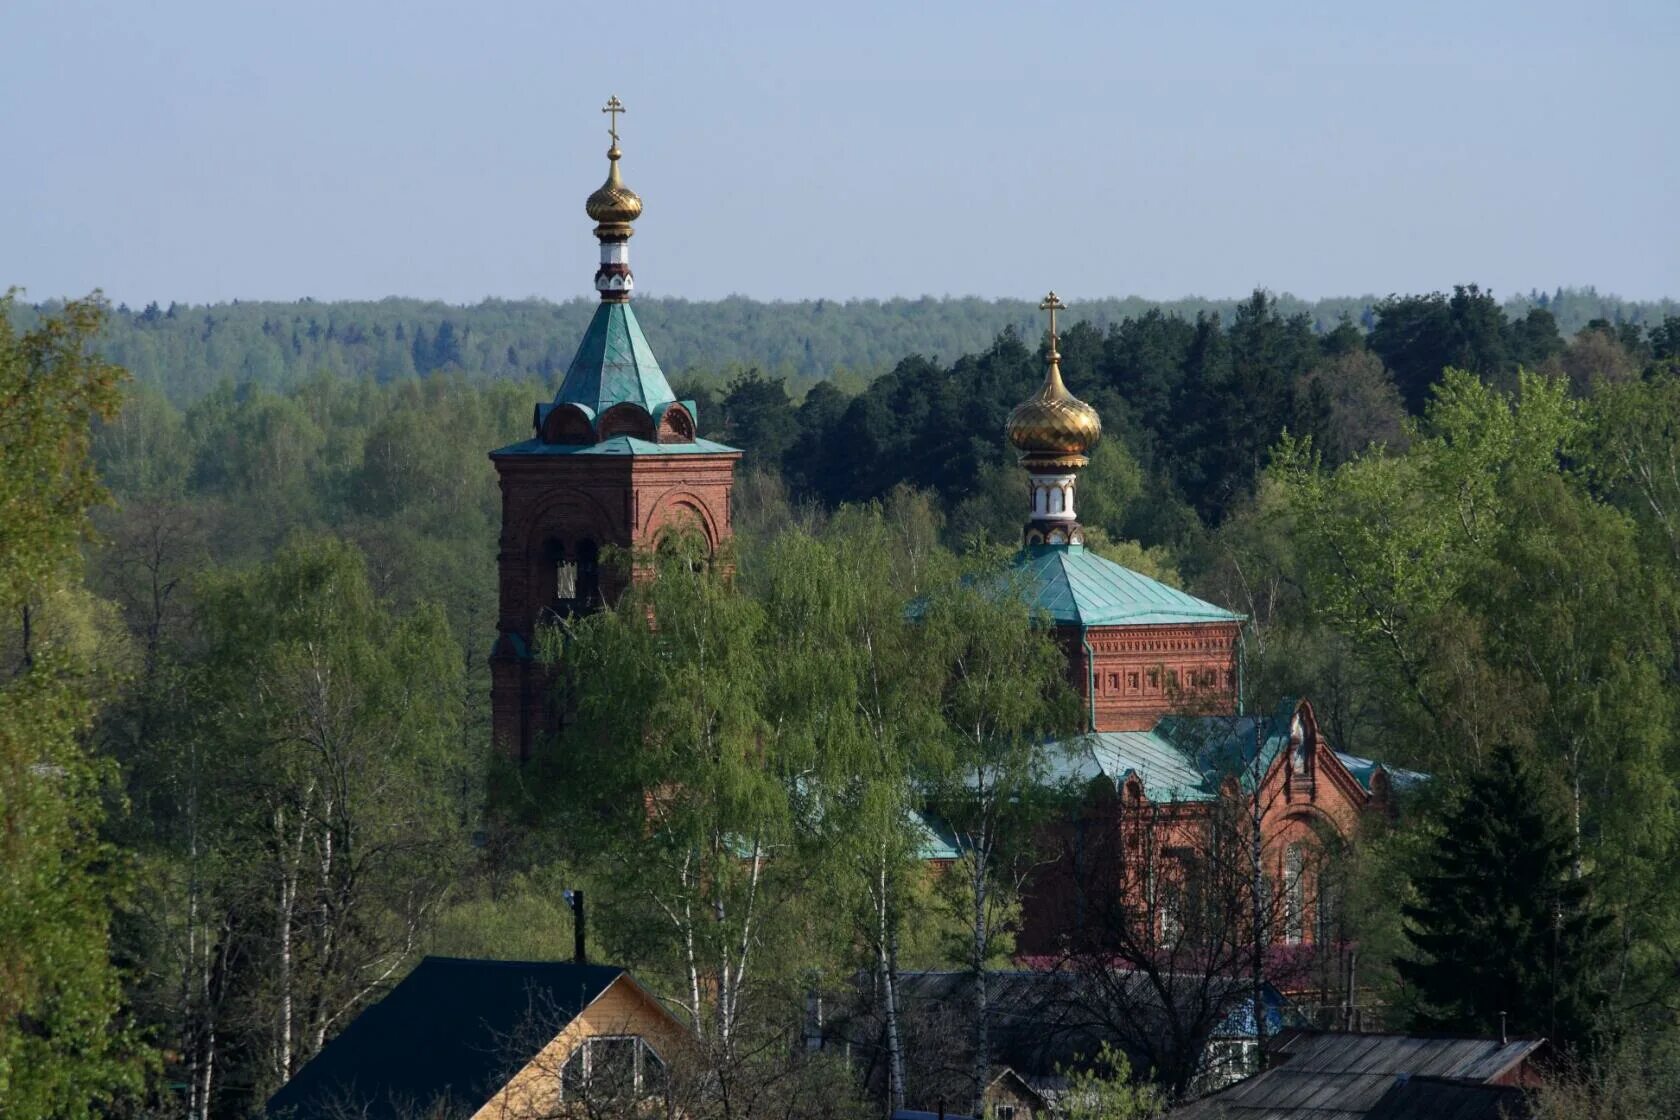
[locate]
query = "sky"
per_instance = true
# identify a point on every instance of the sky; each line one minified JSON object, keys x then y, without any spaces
{"x":203,"y":152}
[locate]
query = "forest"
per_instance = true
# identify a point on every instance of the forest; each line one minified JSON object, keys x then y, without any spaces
{"x":247,"y":563}
{"x":186,"y":351}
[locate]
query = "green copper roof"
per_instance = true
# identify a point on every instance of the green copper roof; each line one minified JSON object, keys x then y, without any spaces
{"x":1184,"y":758}
{"x":1080,"y":587}
{"x":615,"y":446}
{"x":614,"y":363}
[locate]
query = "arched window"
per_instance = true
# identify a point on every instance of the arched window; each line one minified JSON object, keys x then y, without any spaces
{"x":1295,"y":894}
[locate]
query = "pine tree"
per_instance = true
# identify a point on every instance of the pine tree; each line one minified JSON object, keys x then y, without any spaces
{"x":1503,"y":924}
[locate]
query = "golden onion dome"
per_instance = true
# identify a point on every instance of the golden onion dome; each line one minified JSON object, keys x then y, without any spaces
{"x":1053,"y":427}
{"x":613,"y":203}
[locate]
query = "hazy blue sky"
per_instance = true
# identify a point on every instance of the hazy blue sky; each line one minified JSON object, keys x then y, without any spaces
{"x":206,"y":151}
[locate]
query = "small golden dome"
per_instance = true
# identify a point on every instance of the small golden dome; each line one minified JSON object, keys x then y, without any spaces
{"x":1053,"y":427}
{"x":613,"y":203}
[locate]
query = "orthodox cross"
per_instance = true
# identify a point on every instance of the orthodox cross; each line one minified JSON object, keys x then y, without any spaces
{"x":615,"y":107}
{"x":1052,"y":303}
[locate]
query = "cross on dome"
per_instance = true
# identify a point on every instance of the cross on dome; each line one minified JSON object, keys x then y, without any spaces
{"x":613,"y":106}
{"x":1052,"y":303}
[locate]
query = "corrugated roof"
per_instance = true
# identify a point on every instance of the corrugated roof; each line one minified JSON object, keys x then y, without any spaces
{"x":453,"y":1029}
{"x":614,"y":364}
{"x":1080,"y":587}
{"x":1437,"y":1098}
{"x":617,"y":445}
{"x":1326,"y":1075}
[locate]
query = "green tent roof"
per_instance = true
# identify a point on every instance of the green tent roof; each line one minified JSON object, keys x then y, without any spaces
{"x":1080,"y":587}
{"x":614,"y":364}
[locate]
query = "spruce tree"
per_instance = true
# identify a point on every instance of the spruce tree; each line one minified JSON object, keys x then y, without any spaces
{"x":1503,"y":923}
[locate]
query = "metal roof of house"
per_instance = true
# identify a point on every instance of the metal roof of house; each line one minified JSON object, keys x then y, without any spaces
{"x":1079,"y":587}
{"x":454,"y":1030}
{"x":1323,"y":1075}
{"x":614,"y":364}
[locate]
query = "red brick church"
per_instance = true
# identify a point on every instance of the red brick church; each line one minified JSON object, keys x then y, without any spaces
{"x":615,"y":459}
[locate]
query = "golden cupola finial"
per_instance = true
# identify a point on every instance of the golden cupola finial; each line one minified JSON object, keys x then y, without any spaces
{"x":613,"y":205}
{"x":1054,"y":428}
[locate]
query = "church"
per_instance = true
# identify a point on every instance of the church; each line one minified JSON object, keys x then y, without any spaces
{"x":616,"y":460}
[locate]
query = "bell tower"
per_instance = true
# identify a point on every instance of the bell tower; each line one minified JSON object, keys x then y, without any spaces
{"x":613,"y":460}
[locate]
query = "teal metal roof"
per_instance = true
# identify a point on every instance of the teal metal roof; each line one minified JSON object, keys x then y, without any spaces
{"x":1079,"y":587}
{"x":1183,"y":759}
{"x":616,"y":445}
{"x":1167,"y":774}
{"x":1364,"y":769}
{"x":614,"y":364}
{"x":934,"y":838}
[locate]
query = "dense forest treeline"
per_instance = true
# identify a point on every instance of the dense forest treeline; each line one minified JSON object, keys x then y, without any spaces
{"x":246,"y":698}
{"x":186,"y":350}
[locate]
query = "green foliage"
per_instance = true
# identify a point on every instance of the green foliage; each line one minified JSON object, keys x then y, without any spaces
{"x":1496,"y":565}
{"x":1105,"y":1091}
{"x":308,"y":795}
{"x":51,"y":391}
{"x":65,"y":1049}
{"x":1494,"y":584}
{"x":1504,"y":932}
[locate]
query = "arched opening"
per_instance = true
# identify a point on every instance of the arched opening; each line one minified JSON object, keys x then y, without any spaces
{"x":568,"y":580}
{"x":1294,"y":894}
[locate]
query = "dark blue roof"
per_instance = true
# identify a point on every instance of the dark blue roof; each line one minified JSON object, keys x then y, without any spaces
{"x":454,"y":1030}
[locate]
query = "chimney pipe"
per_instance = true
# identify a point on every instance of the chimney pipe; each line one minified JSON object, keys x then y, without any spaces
{"x":579,"y":954}
{"x":1502,"y":1039}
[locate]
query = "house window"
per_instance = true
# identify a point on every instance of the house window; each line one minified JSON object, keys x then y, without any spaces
{"x":612,"y":1067}
{"x":1154,"y":678}
{"x":565,"y":580}
{"x":1114,"y":682}
{"x":1004,"y":1112}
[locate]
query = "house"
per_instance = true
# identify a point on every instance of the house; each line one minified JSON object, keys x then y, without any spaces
{"x":490,"y":1040}
{"x":1007,"y":1097}
{"x":1355,"y":1076}
{"x":1043,"y":1025}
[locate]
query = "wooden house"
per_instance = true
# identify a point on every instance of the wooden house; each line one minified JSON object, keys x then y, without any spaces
{"x":494,"y":1040}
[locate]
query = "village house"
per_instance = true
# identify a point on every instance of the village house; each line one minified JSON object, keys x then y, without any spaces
{"x":1348,"y":1075}
{"x":493,"y":1040}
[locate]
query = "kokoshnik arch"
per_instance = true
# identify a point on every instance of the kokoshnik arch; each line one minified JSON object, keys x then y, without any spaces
{"x":616,"y":460}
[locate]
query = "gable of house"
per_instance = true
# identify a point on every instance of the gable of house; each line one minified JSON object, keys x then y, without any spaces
{"x":454,"y":1033}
